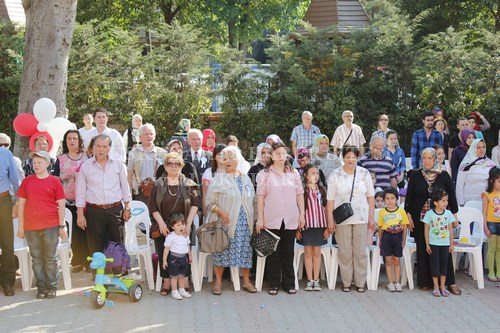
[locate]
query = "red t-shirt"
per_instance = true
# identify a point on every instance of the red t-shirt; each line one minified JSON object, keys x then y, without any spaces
{"x":40,"y":211}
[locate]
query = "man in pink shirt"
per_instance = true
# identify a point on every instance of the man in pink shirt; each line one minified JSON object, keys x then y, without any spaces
{"x":101,"y":187}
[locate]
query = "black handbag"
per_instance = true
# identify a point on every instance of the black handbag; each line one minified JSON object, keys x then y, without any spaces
{"x":264,"y":243}
{"x":344,"y":211}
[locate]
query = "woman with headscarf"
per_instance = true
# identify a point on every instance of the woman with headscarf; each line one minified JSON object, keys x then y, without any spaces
{"x":467,"y":135}
{"x":208,"y":142}
{"x":326,"y":162}
{"x":473,"y":173}
{"x":131,"y":135}
{"x":418,"y":201}
{"x":261,"y":159}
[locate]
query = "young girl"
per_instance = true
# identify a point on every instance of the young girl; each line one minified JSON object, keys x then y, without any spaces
{"x":394,"y":151}
{"x":491,"y":213}
{"x":392,"y":222}
{"x":379,"y":199}
{"x":315,"y":231}
{"x":177,"y":255}
{"x":438,"y":233}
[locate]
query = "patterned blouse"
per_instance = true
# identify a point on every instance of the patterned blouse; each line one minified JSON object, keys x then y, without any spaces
{"x":67,"y":169}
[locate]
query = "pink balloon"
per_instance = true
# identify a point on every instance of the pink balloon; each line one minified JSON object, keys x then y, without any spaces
{"x":36,"y":135}
{"x":25,"y":124}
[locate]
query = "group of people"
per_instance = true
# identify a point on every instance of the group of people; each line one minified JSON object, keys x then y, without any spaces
{"x":294,"y":194}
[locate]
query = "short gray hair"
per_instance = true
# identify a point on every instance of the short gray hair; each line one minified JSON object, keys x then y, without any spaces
{"x":146,"y":126}
{"x":5,"y":137}
{"x":307,"y":113}
{"x":195,"y":131}
{"x":376,"y":138}
{"x":348,"y":111}
{"x":233,"y":150}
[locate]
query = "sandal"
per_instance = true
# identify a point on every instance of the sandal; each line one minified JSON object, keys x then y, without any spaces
{"x":492,"y":279}
{"x":217,"y":291}
{"x":273,"y":291}
{"x":445,"y":293}
{"x":436,"y":293}
{"x":346,"y":289}
{"x":361,"y":290}
{"x":250,"y":288}
{"x":292,"y":291}
{"x":164,"y":291}
{"x":455,"y":290}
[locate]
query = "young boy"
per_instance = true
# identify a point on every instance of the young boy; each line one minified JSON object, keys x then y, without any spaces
{"x":41,"y":221}
{"x":177,"y":255}
{"x":438,"y":233}
{"x":392,"y":222}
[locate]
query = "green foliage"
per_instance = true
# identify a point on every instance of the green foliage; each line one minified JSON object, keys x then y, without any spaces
{"x":11,"y":50}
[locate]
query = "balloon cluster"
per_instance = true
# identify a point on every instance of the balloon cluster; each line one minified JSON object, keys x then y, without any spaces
{"x":42,"y":123}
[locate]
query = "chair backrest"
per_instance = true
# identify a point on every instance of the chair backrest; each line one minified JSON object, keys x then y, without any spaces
{"x":18,"y":242}
{"x":466,"y":216}
{"x":68,"y":218}
{"x":139,"y":212}
{"x":408,"y":163}
{"x":475,"y":204}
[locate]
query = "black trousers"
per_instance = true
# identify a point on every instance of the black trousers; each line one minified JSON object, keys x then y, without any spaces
{"x":79,"y":245}
{"x":279,"y":265}
{"x":103,"y":226}
{"x":7,"y":261}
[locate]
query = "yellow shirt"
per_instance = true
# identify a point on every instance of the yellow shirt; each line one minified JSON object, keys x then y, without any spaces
{"x":392,"y":221}
{"x":493,"y":212}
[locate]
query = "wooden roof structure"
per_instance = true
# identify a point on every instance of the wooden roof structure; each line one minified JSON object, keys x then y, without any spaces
{"x":343,"y":15}
{"x":12,"y":11}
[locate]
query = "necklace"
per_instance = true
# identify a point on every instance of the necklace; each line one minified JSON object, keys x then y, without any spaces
{"x":170,"y":192}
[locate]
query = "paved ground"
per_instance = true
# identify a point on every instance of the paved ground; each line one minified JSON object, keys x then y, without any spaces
{"x":326,"y":311}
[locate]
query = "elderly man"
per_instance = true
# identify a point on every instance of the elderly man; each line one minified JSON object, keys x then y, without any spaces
{"x":200,"y":158}
{"x":143,"y":161}
{"x":347,"y":134}
{"x":102,"y":189}
{"x":9,"y":178}
{"x":424,"y":138}
{"x":303,"y":135}
{"x":381,"y":165}
{"x":101,"y":121}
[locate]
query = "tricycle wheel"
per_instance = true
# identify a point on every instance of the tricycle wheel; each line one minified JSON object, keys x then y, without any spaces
{"x":135,"y":293}
{"x":96,"y":299}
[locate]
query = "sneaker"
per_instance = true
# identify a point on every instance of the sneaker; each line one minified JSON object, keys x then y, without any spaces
{"x":398,"y":287}
{"x":184,"y":293}
{"x":391,"y":287}
{"x":316,"y":286}
{"x":175,"y":295}
{"x":50,"y":294}
{"x":309,"y":286}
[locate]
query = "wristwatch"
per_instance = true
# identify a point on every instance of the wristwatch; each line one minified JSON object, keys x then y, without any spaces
{"x":62,"y":226}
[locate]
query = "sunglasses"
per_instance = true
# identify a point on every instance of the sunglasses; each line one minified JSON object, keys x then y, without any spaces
{"x":6,"y":145}
{"x":173,"y":164}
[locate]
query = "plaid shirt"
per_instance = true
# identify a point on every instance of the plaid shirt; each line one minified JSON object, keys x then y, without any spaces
{"x":420,"y":141}
{"x":398,"y":158}
{"x":303,"y":137}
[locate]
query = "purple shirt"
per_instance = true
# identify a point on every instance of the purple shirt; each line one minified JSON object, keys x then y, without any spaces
{"x":102,"y":186}
{"x":280,"y":192}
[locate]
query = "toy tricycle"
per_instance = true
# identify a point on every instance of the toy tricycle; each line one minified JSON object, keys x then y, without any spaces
{"x":110,"y":283}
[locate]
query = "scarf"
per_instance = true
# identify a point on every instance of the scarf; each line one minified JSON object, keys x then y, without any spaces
{"x":258,"y":157}
{"x":471,"y":159}
{"x":206,"y":132}
{"x":463,"y":138}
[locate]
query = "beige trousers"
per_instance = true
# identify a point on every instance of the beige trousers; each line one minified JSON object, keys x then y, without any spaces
{"x":351,"y":240}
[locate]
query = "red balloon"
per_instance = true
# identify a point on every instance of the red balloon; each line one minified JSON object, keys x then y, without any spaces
{"x":25,"y":124}
{"x":36,"y":135}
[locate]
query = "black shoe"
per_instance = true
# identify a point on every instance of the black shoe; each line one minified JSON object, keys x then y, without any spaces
{"x":40,"y":295}
{"x":50,"y":294}
{"x":8,"y":291}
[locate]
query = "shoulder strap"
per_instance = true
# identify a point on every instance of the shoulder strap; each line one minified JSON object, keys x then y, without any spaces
{"x":352,"y":188}
{"x":350,"y":133}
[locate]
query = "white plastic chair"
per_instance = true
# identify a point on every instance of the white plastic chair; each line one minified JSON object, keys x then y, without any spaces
{"x":139,"y":212}
{"x":298,"y":260}
{"x":259,"y":273}
{"x":63,"y":249}
{"x":334,"y":267}
{"x":466,"y":216}
{"x":479,"y":206}
{"x":21,"y":251}
{"x":408,"y":262}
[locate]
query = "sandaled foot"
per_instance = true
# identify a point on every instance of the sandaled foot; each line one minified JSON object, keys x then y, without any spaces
{"x":436,"y":293}
{"x":164,"y":291}
{"x":361,"y":289}
{"x":346,"y":289}
{"x":445,"y":293}
{"x":455,"y":290}
{"x":217,"y":291}
{"x":291,"y":291}
{"x":250,"y":288}
{"x":273,"y":291}
{"x":492,"y":278}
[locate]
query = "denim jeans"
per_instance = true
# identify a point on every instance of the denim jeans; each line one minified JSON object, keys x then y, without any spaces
{"x":43,"y":249}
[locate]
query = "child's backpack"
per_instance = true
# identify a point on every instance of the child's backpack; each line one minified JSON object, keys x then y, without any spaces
{"x":121,"y":263}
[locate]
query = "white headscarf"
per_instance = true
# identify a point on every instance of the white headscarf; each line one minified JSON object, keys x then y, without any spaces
{"x":471,"y":158}
{"x":258,"y":157}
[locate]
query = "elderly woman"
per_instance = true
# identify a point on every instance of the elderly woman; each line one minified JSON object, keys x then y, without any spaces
{"x":473,"y":173}
{"x":261,"y":159}
{"x":383,"y":126}
{"x":209,"y":174}
{"x":172,"y":193}
{"x":320,"y":156}
{"x":208,"y":142}
{"x":351,"y":234}
{"x":131,"y":135}
{"x":41,"y":143}
{"x":231,"y":196}
{"x":281,"y":210}
{"x":418,"y":201}
{"x":467,"y":135}
{"x":66,"y":168}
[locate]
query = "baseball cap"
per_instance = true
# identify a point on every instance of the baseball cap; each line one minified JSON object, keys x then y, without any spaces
{"x":42,"y":154}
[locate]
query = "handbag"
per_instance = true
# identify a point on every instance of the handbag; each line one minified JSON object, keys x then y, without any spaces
{"x":264,"y":243}
{"x":344,"y":211}
{"x":213,"y":237}
{"x":146,"y":187}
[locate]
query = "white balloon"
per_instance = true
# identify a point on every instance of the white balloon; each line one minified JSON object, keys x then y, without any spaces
{"x":44,"y":110}
{"x":58,"y":127}
{"x":42,"y":127}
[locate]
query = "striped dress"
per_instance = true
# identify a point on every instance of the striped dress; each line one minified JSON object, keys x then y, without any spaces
{"x":315,"y":214}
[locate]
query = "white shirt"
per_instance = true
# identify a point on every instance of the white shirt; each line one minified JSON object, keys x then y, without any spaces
{"x":117,"y":151}
{"x":342,"y":132}
{"x":177,"y":243}
{"x":83,"y":131}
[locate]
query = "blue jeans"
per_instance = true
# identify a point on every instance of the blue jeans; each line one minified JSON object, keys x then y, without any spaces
{"x":43,"y":249}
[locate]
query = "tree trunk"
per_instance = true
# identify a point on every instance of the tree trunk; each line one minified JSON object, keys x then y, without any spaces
{"x":49,"y":33}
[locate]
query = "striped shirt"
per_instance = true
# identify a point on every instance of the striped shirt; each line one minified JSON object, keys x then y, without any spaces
{"x":315,"y":213}
{"x":384,"y":169}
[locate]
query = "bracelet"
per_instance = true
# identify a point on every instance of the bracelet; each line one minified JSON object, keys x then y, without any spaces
{"x":214,"y":207}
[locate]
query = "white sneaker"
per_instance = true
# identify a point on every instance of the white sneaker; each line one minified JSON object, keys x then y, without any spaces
{"x":391,"y":287}
{"x":316,"y":286}
{"x":398,"y":287}
{"x":309,"y":286}
{"x":184,"y":293}
{"x":175,"y":295}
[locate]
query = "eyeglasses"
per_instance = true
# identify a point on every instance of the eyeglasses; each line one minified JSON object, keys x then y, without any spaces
{"x":173,"y":164}
{"x":383,"y":119}
{"x":6,"y":145}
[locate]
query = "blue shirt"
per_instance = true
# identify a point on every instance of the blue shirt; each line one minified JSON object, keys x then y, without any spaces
{"x":398,"y":158}
{"x":303,"y":137}
{"x":419,"y":142}
{"x":8,"y":171}
{"x":439,"y":229}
